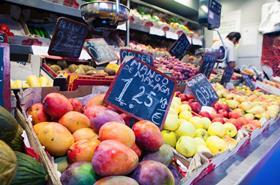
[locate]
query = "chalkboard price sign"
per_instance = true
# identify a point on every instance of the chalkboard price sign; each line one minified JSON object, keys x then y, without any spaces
{"x":145,"y":57}
{"x":68,"y":38}
{"x":100,"y":51}
{"x":202,"y":90}
{"x":180,"y":47}
{"x":248,"y":82}
{"x":208,"y":64}
{"x":141,"y":91}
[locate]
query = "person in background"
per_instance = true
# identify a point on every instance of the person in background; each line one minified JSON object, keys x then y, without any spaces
{"x":230,"y":43}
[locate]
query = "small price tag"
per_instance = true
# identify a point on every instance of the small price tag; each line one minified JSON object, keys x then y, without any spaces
{"x":156,"y":31}
{"x":208,"y":64}
{"x":180,"y":47}
{"x":100,"y":51}
{"x":145,"y":57}
{"x":141,"y":91}
{"x":68,"y":38}
{"x":122,"y":27}
{"x":202,"y":90}
{"x":171,"y":35}
{"x":248,"y":82}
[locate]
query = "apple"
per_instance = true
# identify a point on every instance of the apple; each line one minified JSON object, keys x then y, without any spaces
{"x":37,"y":113}
{"x":224,"y":113}
{"x":202,"y":133}
{"x":195,"y":106}
{"x":197,"y":122}
{"x":230,"y":129}
{"x":221,"y":120}
{"x":232,"y":103}
{"x":230,"y":142}
{"x":186,"y":146}
{"x":234,"y":115}
{"x":218,"y":106}
{"x":246,"y":105}
{"x":169,"y":137}
{"x":216,"y":129}
{"x":249,"y":116}
{"x":206,"y":122}
{"x":203,"y":149}
{"x":185,"y":129}
{"x":185,"y":107}
{"x":185,"y":114}
{"x":171,"y":122}
{"x":216,"y":145}
{"x":205,"y":114}
{"x":199,"y":141}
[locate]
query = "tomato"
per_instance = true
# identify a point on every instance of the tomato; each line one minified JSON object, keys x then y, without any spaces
{"x":5,"y":28}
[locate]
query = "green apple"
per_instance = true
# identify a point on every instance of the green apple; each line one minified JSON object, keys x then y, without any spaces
{"x":186,"y":115}
{"x":202,"y":133}
{"x":230,"y":129}
{"x":196,"y":121}
{"x":186,"y":129}
{"x":169,"y":137}
{"x":216,"y":145}
{"x":199,"y":141}
{"x":206,"y":122}
{"x":185,"y":107}
{"x":186,"y":146}
{"x":216,"y":129}
{"x":172,"y":111}
{"x":171,"y":122}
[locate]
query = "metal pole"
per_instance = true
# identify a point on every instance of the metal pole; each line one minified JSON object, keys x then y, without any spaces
{"x":127,"y":26}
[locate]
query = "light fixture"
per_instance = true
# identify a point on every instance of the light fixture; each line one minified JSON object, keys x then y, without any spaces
{"x":184,"y":2}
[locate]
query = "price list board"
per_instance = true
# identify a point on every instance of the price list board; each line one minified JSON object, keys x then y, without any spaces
{"x":141,"y":91}
{"x":202,"y":89}
{"x":68,"y":39}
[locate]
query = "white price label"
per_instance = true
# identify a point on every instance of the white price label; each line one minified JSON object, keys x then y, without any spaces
{"x":156,"y":31}
{"x":171,"y":35}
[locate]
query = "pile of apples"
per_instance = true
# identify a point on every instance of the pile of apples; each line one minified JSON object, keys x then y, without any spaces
{"x":190,"y":134}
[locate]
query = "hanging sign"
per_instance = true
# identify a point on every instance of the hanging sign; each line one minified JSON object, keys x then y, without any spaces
{"x":248,"y":82}
{"x":100,"y":51}
{"x":141,"y":91}
{"x":5,"y":92}
{"x":202,"y":90}
{"x":68,"y":38}
{"x":145,"y":57}
{"x":180,"y":47}
{"x":209,"y":60}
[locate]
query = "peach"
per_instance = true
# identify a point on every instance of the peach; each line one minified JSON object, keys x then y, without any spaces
{"x":74,"y":121}
{"x":117,"y":131}
{"x":38,"y":114}
{"x":113,"y":158}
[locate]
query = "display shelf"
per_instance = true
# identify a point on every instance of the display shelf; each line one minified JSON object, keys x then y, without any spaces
{"x":48,"y":6}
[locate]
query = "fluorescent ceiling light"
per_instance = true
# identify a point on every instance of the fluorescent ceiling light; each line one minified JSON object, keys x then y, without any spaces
{"x":204,"y":8}
{"x":184,"y":2}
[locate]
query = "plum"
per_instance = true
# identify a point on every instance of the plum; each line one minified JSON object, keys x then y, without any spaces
{"x":153,"y":173}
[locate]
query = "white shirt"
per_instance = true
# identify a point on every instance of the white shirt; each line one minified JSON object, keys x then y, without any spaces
{"x":231,"y":51}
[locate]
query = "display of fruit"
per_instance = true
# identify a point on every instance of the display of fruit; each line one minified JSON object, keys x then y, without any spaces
{"x":29,"y":171}
{"x":79,"y":173}
{"x":31,"y":81}
{"x":74,"y":121}
{"x":178,"y":70}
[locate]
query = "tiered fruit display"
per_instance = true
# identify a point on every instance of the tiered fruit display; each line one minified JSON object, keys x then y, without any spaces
{"x":31,"y":81}
{"x":178,"y":70}
{"x":99,"y":146}
{"x":147,"y":48}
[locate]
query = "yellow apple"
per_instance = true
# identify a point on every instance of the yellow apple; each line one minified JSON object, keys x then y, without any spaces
{"x":186,"y":115}
{"x":202,"y":133}
{"x":230,"y":142}
{"x":245,"y":106}
{"x":185,"y":107}
{"x":258,"y":109}
{"x":199,"y":141}
{"x":206,"y":122}
{"x":186,"y":129}
{"x":203,"y":149}
{"x":230,"y":129}
{"x":249,"y":116}
{"x":216,"y":145}
{"x":216,"y":129}
{"x":197,"y":122}
{"x":232,"y":104}
{"x":169,"y":137}
{"x":186,"y":146}
{"x":171,"y":122}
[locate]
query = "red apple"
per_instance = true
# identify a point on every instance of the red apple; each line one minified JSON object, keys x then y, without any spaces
{"x":234,"y":115}
{"x":221,"y":120}
{"x":195,"y":106}
{"x":223,"y":112}
{"x":205,"y":114}
{"x":37,"y":112}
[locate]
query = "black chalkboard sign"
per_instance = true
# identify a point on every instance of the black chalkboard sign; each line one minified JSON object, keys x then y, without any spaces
{"x":180,"y":47}
{"x":68,"y":38}
{"x":248,"y":82}
{"x":227,"y":75}
{"x":141,"y":91}
{"x":209,"y":13}
{"x":100,"y":51}
{"x":202,"y":90}
{"x":209,"y":60}
{"x":145,"y":57}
